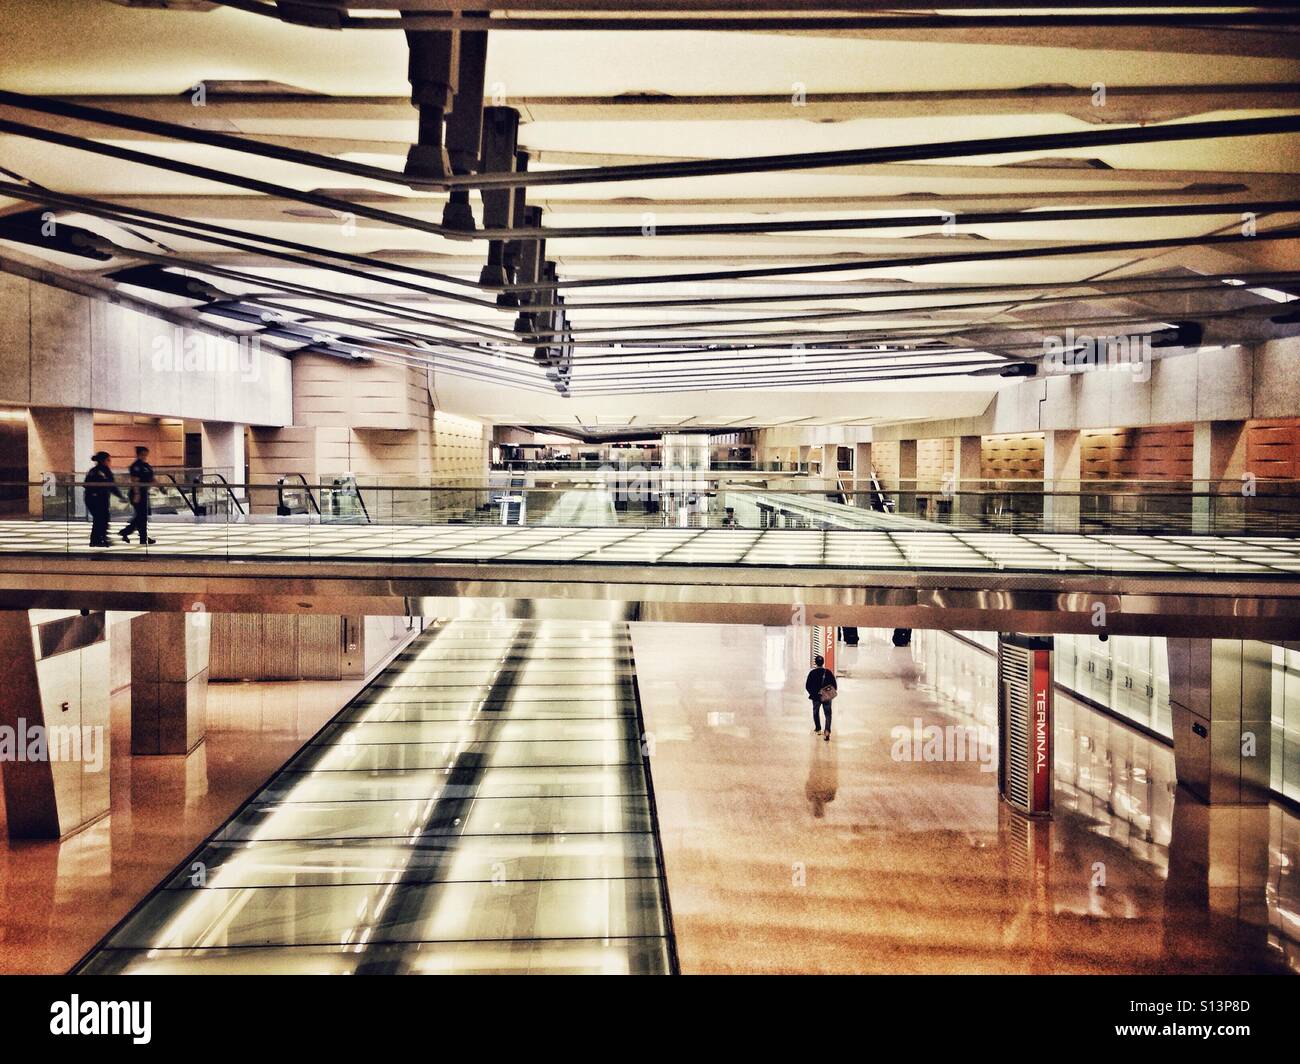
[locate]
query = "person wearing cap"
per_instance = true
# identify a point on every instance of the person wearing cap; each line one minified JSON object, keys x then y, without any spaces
{"x":99,"y":483}
{"x":141,"y":477}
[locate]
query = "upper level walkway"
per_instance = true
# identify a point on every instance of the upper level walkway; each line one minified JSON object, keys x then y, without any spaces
{"x":938,"y":578}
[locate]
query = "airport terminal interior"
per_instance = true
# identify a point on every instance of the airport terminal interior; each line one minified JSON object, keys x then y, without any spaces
{"x":656,"y":487}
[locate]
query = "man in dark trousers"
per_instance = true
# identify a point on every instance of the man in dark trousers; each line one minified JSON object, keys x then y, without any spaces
{"x":141,"y":476}
{"x":100,"y":484}
{"x":819,"y":678}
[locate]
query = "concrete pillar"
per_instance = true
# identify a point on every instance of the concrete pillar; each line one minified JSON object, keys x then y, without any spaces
{"x":907,"y":465}
{"x":830,"y":463}
{"x":967,"y":454}
{"x":223,"y":449}
{"x":1218,"y":454}
{"x":59,"y":440}
{"x":1220,"y":695}
{"x":862,"y":462}
{"x":1217,"y":884}
{"x":1062,"y":471}
{"x":54,"y":721}
{"x":169,"y":682}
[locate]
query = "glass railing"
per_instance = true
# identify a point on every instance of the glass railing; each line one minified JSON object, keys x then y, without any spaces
{"x":684,"y":499}
{"x":685,"y":518}
{"x":588,"y":465}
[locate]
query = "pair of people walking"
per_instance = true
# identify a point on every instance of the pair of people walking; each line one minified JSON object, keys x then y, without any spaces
{"x":821,"y":688}
{"x":101,"y":485}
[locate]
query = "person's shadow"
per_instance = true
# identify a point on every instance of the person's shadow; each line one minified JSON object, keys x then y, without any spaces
{"x":823,"y":775}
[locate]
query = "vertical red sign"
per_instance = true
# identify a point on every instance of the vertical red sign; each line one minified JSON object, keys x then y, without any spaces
{"x":1040,"y":745}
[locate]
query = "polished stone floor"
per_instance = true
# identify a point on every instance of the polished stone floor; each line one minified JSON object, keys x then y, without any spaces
{"x":57,"y":899}
{"x":785,"y":853}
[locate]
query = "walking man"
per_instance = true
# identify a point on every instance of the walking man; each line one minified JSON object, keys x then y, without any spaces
{"x":141,"y":477}
{"x":820,"y":686}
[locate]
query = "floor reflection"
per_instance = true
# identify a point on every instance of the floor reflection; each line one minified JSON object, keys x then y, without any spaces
{"x":913,"y":865}
{"x":57,"y":899}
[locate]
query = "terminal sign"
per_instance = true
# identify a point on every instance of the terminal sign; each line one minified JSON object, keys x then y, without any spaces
{"x":1042,"y":731}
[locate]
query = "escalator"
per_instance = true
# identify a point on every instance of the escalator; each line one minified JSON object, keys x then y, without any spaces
{"x":483,"y":805}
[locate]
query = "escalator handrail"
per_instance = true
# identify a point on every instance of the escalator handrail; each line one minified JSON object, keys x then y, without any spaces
{"x":306,"y":487}
{"x":364,"y":512}
{"x":221,"y":479}
{"x":180,"y":489}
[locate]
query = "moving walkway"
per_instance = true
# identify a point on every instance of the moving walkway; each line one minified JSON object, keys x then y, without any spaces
{"x":483,"y":805}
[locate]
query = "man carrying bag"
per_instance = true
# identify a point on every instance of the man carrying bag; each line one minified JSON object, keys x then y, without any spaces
{"x":820,"y":686}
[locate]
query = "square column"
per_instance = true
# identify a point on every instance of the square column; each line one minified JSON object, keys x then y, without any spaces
{"x":59,"y":440}
{"x":169,"y":681}
{"x":1062,"y":471}
{"x":1218,"y":454}
{"x":907,"y":464}
{"x":968,"y":456}
{"x":223,"y":449}
{"x":1217,"y":885}
{"x":1220,"y":695}
{"x":55,"y":721}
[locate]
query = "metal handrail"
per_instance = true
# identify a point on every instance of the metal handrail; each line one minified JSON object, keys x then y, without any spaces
{"x":193,"y":504}
{"x":356,"y":488}
{"x":1268,"y":488}
{"x":280,"y":504}
{"x":201,"y":480}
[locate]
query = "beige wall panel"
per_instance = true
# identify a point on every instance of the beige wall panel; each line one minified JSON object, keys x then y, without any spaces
{"x":268,"y":399}
{"x":331,"y":392}
{"x":1130,"y":399}
{"x":320,"y":647}
{"x":15,"y":339}
{"x":60,"y":347}
{"x":198,"y":380}
{"x":279,"y":647}
{"x":1092,"y":402}
{"x":1012,"y":456}
{"x":221,"y":657}
{"x":1277,"y":384}
{"x":114,"y":356}
{"x":1173,"y":390}
{"x":1058,"y":405}
{"x":1224,"y":382}
{"x":885,"y":459}
{"x":120,"y":434}
{"x":161,"y":365}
